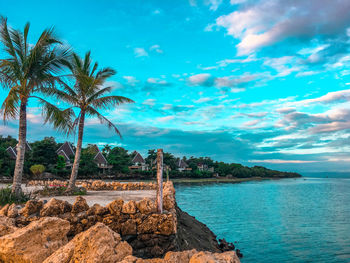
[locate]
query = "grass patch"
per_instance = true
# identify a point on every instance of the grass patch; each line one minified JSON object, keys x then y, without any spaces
{"x":7,"y":197}
{"x":57,"y":190}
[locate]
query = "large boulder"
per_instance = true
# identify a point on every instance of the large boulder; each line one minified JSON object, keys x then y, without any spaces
{"x":129,"y":207}
{"x":55,"y":207}
{"x":183,"y":256}
{"x":35,"y":242}
{"x":146,"y":206}
{"x":98,"y":210}
{"x":13,"y":210}
{"x":80,"y":205}
{"x":7,"y":225}
{"x":207,"y":257}
{"x":31,"y":207}
{"x":98,"y":244}
{"x":115,"y":207}
{"x":3,"y":211}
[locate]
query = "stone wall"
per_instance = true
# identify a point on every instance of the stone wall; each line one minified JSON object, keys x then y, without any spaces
{"x":98,"y":185}
{"x":150,"y":234}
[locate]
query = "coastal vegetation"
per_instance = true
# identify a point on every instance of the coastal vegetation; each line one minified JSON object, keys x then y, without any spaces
{"x":44,"y":71}
{"x":120,"y":160}
{"x":89,"y":93}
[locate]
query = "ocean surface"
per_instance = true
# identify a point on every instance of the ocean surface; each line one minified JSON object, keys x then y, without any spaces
{"x":288,"y":220}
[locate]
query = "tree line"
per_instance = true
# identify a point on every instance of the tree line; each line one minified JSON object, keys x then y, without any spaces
{"x":44,"y":152}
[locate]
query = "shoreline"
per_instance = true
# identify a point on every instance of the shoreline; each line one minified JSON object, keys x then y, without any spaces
{"x":179,"y":180}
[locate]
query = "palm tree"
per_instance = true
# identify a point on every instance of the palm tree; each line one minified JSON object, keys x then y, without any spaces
{"x":29,"y":71}
{"x":88,"y":95}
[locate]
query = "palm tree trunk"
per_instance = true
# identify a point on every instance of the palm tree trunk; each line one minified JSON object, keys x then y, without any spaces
{"x":74,"y":174}
{"x":21,"y":148}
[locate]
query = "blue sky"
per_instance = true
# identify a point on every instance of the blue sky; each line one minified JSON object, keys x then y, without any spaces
{"x":253,"y":82}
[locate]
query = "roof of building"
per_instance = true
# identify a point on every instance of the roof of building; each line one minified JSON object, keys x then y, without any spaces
{"x":182,"y":164}
{"x":99,"y":158}
{"x":62,"y":153}
{"x":94,"y":149}
{"x":138,"y":158}
{"x":67,"y":149}
{"x":11,"y":152}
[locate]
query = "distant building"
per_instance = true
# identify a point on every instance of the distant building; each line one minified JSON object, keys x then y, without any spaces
{"x":182,"y":165}
{"x":66,"y":151}
{"x":204,"y":168}
{"x":100,"y":159}
{"x":12,"y":151}
{"x":138,"y":163}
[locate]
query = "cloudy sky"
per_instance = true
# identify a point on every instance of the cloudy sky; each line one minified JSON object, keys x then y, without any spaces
{"x":254,"y":82}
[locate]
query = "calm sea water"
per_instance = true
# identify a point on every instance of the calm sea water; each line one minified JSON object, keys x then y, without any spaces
{"x":289,"y":220}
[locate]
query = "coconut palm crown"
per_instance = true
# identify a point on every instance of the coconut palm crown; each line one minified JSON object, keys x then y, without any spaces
{"x":29,"y":71}
{"x":88,"y":95}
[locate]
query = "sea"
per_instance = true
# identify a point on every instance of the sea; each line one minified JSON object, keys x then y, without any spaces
{"x":304,"y":219}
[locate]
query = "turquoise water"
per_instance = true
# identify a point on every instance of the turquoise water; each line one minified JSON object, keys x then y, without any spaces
{"x":289,"y":220}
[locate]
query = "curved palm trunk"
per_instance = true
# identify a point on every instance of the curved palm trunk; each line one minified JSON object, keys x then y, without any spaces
{"x":21,"y":148}
{"x":74,"y":174}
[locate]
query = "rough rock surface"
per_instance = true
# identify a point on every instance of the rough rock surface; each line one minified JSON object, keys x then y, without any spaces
{"x":80,"y":205}
{"x":13,"y":210}
{"x":98,"y":244}
{"x":55,"y":207}
{"x":3,"y":211}
{"x":35,"y":242}
{"x":7,"y":225}
{"x":189,"y":256}
{"x":207,"y":257}
{"x":192,"y":234}
{"x":31,"y":207}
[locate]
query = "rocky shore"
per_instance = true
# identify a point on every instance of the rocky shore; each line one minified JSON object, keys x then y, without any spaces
{"x":58,"y":231}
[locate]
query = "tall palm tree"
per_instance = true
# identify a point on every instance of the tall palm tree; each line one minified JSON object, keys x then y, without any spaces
{"x":89,"y":94}
{"x":27,"y":72}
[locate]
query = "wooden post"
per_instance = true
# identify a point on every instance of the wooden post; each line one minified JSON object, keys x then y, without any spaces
{"x":160,"y":181}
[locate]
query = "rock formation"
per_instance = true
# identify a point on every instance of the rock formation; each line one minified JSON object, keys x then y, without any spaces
{"x":98,"y":244}
{"x":35,"y":242}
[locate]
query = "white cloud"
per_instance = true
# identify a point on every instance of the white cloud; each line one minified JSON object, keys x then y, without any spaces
{"x":202,"y":100}
{"x":264,"y":23}
{"x":204,"y":79}
{"x":132,"y":81}
{"x":140,"y":52}
{"x":156,"y":48}
{"x":251,"y":123}
{"x":165,"y":119}
{"x":277,"y":161}
{"x":149,"y":102}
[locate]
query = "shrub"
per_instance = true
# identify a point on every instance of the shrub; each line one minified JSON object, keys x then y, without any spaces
{"x":7,"y":197}
{"x":37,"y":169}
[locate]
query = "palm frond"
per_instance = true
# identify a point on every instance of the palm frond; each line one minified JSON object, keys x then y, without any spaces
{"x":60,"y":119}
{"x":109,"y":101}
{"x":10,"y":106}
{"x":94,"y":113}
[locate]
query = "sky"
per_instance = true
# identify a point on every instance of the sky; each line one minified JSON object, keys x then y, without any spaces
{"x":257,"y":82}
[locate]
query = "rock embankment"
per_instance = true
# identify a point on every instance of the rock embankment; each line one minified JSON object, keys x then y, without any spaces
{"x":45,"y":240}
{"x":123,"y":231}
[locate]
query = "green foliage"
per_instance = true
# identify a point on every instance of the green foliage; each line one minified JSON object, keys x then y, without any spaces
{"x":57,"y":190}
{"x":37,"y":169}
{"x":87,"y":166}
{"x":7,"y":197}
{"x":44,"y":152}
{"x":120,"y":159}
{"x":6,"y":163}
{"x":61,"y":163}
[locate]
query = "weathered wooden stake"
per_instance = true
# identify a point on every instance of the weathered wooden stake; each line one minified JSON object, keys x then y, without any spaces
{"x":160,"y":181}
